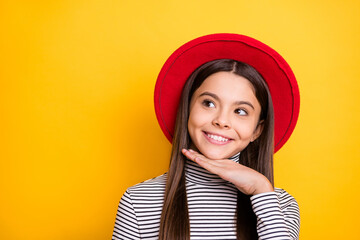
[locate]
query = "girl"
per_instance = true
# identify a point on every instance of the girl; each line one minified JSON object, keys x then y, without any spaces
{"x":220,"y":180}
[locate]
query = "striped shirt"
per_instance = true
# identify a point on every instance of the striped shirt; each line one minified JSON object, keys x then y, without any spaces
{"x":212,"y":206}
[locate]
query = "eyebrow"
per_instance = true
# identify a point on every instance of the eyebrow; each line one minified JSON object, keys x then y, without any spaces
{"x":218,"y":99}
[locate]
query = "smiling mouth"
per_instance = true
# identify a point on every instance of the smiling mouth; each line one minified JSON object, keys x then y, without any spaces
{"x":217,"y":138}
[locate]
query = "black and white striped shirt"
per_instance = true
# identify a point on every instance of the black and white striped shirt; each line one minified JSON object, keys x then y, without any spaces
{"x":212,"y":207}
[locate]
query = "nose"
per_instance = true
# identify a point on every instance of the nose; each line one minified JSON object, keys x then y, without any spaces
{"x":221,"y":120}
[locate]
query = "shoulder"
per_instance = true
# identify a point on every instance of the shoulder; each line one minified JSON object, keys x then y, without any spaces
{"x":145,"y":197}
{"x":153,"y":185}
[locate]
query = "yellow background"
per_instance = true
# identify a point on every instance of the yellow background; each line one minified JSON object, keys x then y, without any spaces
{"x":77,"y":122}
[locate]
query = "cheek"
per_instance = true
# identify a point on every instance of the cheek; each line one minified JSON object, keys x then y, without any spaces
{"x":191,"y":129}
{"x":197,"y":118}
{"x":245,"y":130}
{"x":192,"y":124}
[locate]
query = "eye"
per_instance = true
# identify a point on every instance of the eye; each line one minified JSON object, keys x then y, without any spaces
{"x":241,"y":112}
{"x":208,"y":103}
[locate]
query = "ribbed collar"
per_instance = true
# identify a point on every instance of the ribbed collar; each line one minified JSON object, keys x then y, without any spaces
{"x":196,"y":174}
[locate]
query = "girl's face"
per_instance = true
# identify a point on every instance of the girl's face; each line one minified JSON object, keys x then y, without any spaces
{"x":224,"y":116}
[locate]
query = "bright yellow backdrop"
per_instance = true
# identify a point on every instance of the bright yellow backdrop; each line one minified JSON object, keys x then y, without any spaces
{"x":77,"y":123}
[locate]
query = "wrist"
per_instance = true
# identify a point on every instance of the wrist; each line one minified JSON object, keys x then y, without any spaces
{"x":263,"y":186}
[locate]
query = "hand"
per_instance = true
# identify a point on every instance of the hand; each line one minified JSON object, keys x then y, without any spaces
{"x":247,"y":180}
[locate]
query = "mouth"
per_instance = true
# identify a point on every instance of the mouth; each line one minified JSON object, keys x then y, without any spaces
{"x":216,"y":138}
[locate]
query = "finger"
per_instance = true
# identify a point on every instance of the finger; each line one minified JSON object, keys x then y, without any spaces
{"x":196,"y":153}
{"x":188,"y":154}
{"x":193,"y":155}
{"x":209,"y":165}
{"x":198,"y":157}
{"x":218,"y":162}
{"x":193,"y":151}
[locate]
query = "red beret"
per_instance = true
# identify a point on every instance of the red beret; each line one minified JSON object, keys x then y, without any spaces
{"x":274,"y":69}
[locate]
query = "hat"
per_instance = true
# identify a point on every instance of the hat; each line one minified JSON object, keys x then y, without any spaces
{"x":273,"y":68}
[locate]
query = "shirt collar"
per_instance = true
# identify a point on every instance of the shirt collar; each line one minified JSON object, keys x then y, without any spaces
{"x":197,"y":174}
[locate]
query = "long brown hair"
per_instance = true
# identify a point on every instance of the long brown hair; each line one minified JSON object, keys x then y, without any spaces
{"x":258,"y":155}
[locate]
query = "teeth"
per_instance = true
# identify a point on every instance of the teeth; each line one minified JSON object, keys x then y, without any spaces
{"x":218,"y":138}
